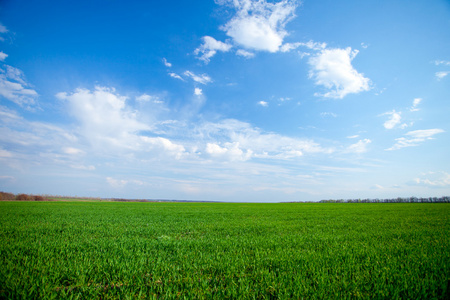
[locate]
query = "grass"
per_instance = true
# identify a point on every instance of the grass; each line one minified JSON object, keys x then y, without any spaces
{"x":109,"y":250}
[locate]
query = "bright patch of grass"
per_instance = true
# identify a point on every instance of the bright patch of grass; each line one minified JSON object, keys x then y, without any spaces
{"x":222,"y":250}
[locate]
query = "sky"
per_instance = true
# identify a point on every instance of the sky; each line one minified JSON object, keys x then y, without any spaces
{"x":225,"y":100}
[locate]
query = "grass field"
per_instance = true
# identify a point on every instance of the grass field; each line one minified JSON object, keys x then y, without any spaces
{"x":105,"y":250}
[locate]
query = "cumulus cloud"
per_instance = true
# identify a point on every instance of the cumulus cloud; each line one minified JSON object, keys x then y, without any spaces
{"x":198,"y":92}
{"x":210,"y":47}
{"x":14,"y":87}
{"x":229,"y":151}
{"x":395,"y":119}
{"x":414,"y":138}
{"x":259,"y":25}
{"x":104,"y":116}
{"x":263,"y":103}
{"x":332,"y":69}
{"x":203,"y":79}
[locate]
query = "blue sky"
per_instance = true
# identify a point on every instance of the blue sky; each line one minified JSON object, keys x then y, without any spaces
{"x":260,"y":101}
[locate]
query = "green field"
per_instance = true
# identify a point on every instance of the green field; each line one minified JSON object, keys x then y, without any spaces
{"x":105,"y":250}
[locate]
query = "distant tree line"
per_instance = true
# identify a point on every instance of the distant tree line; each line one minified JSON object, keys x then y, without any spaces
{"x":21,"y":197}
{"x":443,"y":199}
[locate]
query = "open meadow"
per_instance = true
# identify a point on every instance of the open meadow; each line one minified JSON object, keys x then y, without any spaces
{"x":106,"y":250}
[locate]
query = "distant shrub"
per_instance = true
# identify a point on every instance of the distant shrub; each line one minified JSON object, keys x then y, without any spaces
{"x":6,"y":196}
{"x":38,"y":198}
{"x":22,"y":197}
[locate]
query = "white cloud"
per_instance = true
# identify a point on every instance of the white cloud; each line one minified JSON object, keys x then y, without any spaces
{"x":332,"y":69}
{"x":434,"y":179}
{"x":116,"y":183}
{"x":175,"y":75}
{"x":210,"y":47}
{"x":440,"y":75}
{"x":83,"y":167}
{"x":259,"y":25}
{"x":251,"y":140}
{"x":309,"y":45}
{"x":289,"y":46}
{"x":229,"y":151}
{"x":3,"y":29}
{"x":165,"y":145}
{"x":13,"y":86}
{"x":5,"y":153}
{"x":414,"y":138}
{"x":72,"y":151}
{"x":147,"y":98}
{"x":359,"y":147}
{"x":328,"y":114}
{"x":416,"y":103}
{"x":263,"y":103}
{"x":198,"y":92}
{"x":394,"y":120}
{"x":203,"y":79}
{"x":442,"y":62}
{"x":244,"y":53}
{"x":353,"y":136}
{"x":166,"y":63}
{"x":3,"y":56}
{"x":104,"y":116}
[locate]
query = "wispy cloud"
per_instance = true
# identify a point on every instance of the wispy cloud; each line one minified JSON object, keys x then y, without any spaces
{"x":210,"y":47}
{"x":415,"y":138}
{"x":176,"y":76}
{"x":394,"y":120}
{"x":359,"y":147}
{"x":148,"y":98}
{"x":166,"y":63}
{"x":309,"y":45}
{"x":14,"y":87}
{"x":3,"y":29}
{"x":442,"y":74}
{"x":433,"y":179}
{"x":245,"y":53}
{"x":328,"y":114}
{"x":203,"y":78}
{"x":332,"y":69}
{"x":416,"y":103}
{"x":442,"y":62}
